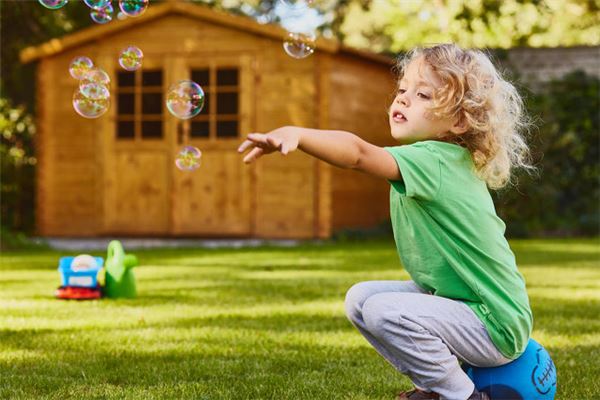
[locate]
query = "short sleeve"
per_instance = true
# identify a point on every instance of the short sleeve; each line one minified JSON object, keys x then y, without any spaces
{"x":420,"y":167}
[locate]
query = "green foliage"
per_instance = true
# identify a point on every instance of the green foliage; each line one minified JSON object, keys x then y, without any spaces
{"x":27,"y":23}
{"x":17,"y":171}
{"x":263,"y":323}
{"x":565,"y":200}
{"x":392,"y":25}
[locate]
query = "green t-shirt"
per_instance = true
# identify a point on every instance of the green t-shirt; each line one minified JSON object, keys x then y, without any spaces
{"x":452,"y":243}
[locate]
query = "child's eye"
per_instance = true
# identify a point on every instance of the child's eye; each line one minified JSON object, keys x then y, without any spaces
{"x":423,"y":96}
{"x":401,"y":91}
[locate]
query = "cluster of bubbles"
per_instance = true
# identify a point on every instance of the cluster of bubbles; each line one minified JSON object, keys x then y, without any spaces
{"x":300,"y":41}
{"x":92,"y":96}
{"x":188,"y":158}
{"x":185,"y":100}
{"x":91,"y":99}
{"x":101,"y":11}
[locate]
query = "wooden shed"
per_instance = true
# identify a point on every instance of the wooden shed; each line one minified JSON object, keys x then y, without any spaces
{"x":115,"y":175}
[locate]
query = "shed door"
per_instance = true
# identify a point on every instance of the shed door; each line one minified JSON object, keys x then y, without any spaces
{"x":216,"y":198}
{"x":137,"y":160}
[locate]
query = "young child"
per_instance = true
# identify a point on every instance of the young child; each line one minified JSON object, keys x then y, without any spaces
{"x":458,"y":123}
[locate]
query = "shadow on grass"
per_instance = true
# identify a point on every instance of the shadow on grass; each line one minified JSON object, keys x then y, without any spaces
{"x":248,"y":367}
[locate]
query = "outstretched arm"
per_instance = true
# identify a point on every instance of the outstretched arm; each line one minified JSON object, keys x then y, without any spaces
{"x":339,"y":148}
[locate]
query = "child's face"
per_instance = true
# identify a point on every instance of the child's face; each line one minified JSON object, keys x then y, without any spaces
{"x":409,"y":117}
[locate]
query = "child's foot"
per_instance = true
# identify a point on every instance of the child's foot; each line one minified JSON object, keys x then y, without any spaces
{"x":417,"y":394}
{"x":476,"y":395}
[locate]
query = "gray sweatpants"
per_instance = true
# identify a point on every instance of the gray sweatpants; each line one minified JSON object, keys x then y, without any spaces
{"x":421,"y":335}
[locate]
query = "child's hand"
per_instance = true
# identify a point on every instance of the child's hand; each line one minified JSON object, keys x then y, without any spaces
{"x":284,"y":140}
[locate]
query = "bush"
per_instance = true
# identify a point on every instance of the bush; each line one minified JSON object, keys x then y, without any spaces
{"x":17,"y":169}
{"x":565,"y":199}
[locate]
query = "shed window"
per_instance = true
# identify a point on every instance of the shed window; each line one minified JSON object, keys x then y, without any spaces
{"x":140,"y":104}
{"x":220,"y":116}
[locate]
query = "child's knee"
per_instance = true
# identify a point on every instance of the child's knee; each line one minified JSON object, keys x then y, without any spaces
{"x":374,"y":313}
{"x":355,"y":297}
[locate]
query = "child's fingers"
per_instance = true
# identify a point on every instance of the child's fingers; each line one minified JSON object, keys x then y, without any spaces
{"x":276,"y":143}
{"x":245,"y":145}
{"x":258,"y":138}
{"x":253,"y":155}
{"x":285,"y":148}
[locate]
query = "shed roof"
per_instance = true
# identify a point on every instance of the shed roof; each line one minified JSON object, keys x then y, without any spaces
{"x":58,"y":45}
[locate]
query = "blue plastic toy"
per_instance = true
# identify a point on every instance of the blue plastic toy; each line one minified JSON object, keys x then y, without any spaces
{"x":86,"y":277}
{"x":532,"y":376}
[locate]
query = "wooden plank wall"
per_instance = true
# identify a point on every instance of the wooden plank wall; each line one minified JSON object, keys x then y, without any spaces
{"x":361,"y":92}
{"x":285,"y":185}
{"x":68,"y":198}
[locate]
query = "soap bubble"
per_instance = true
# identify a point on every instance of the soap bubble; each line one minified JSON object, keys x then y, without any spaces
{"x":185,"y":99}
{"x":96,"y":4}
{"x":188,"y":158}
{"x":95,"y":75}
{"x":121,"y":16}
{"x":133,"y":8}
{"x":53,"y":4}
{"x":102,"y":15}
{"x":131,"y":58}
{"x":79,"y":66}
{"x":299,"y":45}
{"x":89,"y":107}
{"x":94,"y":91}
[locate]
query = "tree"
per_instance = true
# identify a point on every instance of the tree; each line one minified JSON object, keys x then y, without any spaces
{"x":395,"y":25}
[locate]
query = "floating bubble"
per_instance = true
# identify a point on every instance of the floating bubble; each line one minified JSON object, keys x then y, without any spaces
{"x":131,"y":58}
{"x":89,"y":107}
{"x":133,"y":8}
{"x":121,"y":16}
{"x":80,"y":66}
{"x":96,"y":75}
{"x":102,"y":15}
{"x":188,"y":158}
{"x":185,"y":99}
{"x":299,"y":45}
{"x":53,"y":4}
{"x":96,"y":4}
{"x":94,"y":91}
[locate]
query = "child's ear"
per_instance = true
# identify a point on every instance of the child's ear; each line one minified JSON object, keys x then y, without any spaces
{"x":460,"y":126}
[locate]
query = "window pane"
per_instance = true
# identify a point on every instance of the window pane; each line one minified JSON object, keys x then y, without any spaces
{"x":227,"y":103}
{"x":152,"y":78}
{"x":227,"y":76}
{"x":201,"y":77}
{"x":125,"y":130}
{"x":125,"y":103}
{"x":126,"y":79}
{"x":200,"y":129}
{"x":151,"y":103}
{"x":151,"y":129}
{"x":227,"y":128}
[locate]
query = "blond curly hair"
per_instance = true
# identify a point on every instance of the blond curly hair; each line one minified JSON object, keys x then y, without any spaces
{"x":488,"y":105}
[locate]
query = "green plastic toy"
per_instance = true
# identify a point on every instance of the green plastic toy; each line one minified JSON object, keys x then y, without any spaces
{"x":120,"y":280}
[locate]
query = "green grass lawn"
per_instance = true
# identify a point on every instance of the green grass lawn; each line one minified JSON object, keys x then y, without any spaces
{"x":264,"y":323}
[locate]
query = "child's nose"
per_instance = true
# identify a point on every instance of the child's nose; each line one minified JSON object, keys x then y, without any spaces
{"x":402,"y":99}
